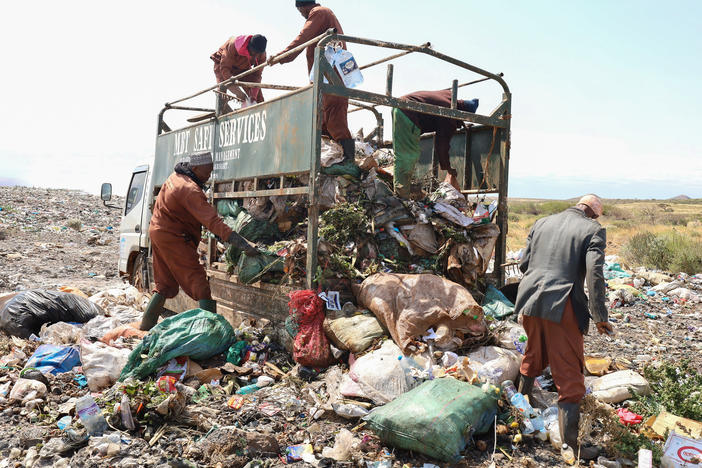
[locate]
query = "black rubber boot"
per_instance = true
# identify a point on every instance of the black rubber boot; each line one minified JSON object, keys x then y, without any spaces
{"x":569,"y":425}
{"x":153,"y":312}
{"x":526,"y":386}
{"x":349,"y":147}
{"x":208,"y":304}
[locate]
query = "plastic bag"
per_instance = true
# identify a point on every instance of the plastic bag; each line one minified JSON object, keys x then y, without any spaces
{"x":495,"y":304}
{"x":331,"y":153}
{"x":409,"y":305}
{"x":378,"y":375}
{"x":495,"y":365}
{"x":102,"y":364}
{"x":311,"y":347}
{"x":355,"y":333}
{"x":197,"y":333}
{"x":127,"y":296}
{"x":614,"y":387}
{"x":26,"y":389}
{"x":52,"y":359}
{"x":344,"y":446}
{"x":436,"y":418}
{"x":27,"y":311}
{"x":252,"y":269}
{"x":60,"y":333}
{"x":97,"y":327}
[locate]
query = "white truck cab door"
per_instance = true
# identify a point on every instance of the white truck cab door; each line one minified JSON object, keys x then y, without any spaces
{"x":130,"y":228}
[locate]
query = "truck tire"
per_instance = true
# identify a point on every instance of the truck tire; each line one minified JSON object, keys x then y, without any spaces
{"x":136,"y":278}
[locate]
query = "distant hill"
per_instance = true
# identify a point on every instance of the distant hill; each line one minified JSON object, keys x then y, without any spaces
{"x":10,"y":182}
{"x":681,"y":197}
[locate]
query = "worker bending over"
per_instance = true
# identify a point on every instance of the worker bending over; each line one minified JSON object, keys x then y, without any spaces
{"x":563,"y":251}
{"x":237,"y":55}
{"x":408,"y":126}
{"x":334,"y":108}
{"x":180,"y":211}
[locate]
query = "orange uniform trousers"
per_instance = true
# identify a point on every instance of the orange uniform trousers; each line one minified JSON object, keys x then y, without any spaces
{"x":334,"y":117}
{"x":176,"y":263}
{"x":559,"y":345}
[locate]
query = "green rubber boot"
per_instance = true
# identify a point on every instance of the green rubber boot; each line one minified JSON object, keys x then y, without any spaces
{"x":153,"y":312}
{"x":208,"y":304}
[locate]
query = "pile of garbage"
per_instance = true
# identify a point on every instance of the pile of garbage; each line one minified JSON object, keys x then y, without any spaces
{"x":365,"y":228}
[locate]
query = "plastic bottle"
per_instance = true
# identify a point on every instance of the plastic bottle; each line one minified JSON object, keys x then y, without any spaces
{"x":248,"y":389}
{"x":126,"y":413}
{"x":532,"y":420}
{"x":90,"y":415}
{"x":567,"y":454}
{"x":348,"y":68}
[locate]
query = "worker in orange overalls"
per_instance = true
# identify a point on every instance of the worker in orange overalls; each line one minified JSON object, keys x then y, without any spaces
{"x":334,"y":108}
{"x":180,"y":211}
{"x":237,"y":55}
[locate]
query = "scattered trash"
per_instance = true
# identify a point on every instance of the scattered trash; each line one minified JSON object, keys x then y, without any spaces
{"x":102,"y":364}
{"x":628,"y":418}
{"x":91,"y":416}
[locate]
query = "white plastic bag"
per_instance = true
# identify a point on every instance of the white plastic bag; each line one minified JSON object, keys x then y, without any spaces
{"x":495,"y":365}
{"x":60,"y":333}
{"x":344,"y":446}
{"x":614,"y":387}
{"x":102,"y":364}
{"x":332,"y":152}
{"x":26,"y":390}
{"x":378,"y":375}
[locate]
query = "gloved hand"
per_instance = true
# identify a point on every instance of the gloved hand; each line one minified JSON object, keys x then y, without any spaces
{"x":238,"y":241}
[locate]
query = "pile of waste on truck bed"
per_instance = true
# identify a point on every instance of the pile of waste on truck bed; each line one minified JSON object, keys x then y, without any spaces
{"x":406,"y":374}
{"x":364,"y":228}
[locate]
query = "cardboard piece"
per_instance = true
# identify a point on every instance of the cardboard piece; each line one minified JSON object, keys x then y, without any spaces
{"x":668,"y":422}
{"x":681,"y":452}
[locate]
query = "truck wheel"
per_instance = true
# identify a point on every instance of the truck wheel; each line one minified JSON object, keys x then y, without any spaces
{"x":137,"y":277}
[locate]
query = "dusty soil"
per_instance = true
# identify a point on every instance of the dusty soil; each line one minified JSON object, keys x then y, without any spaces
{"x":51,"y":238}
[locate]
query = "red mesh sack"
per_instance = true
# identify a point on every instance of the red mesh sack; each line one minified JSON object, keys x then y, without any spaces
{"x":311,"y":347}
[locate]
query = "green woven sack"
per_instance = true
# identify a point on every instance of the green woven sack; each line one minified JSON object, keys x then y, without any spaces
{"x":496,"y":305}
{"x":197,"y":333}
{"x":436,"y":418}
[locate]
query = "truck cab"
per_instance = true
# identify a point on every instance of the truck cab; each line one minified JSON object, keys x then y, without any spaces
{"x":134,"y":228}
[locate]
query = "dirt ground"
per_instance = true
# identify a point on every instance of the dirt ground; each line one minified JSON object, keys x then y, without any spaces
{"x":39,"y":248}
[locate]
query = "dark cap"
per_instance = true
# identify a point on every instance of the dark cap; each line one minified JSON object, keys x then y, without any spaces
{"x":258,"y":43}
{"x":301,"y":3}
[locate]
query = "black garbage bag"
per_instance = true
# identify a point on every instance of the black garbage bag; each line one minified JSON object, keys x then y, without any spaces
{"x":27,"y":311}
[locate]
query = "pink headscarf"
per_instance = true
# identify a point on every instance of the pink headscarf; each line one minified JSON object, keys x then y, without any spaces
{"x":242,"y":45}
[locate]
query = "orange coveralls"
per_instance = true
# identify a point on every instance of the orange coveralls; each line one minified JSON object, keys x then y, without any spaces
{"x":334,"y":108}
{"x":180,"y":211}
{"x":232,"y":59}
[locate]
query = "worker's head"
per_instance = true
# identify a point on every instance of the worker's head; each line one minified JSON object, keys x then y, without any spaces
{"x":470,"y":105}
{"x":305,"y":6}
{"x":592,"y":206}
{"x":201,"y":164}
{"x":257,"y":46}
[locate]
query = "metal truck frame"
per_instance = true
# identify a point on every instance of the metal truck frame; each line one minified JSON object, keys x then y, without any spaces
{"x":281,"y":138}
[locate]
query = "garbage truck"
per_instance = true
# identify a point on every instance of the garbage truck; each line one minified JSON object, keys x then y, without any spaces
{"x":258,"y":150}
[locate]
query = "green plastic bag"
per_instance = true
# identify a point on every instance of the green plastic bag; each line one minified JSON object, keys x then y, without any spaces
{"x":228,"y":208}
{"x":436,"y":418}
{"x":197,"y":333}
{"x":348,"y":168}
{"x":236,"y":352}
{"x":496,"y":305}
{"x":251,"y":269}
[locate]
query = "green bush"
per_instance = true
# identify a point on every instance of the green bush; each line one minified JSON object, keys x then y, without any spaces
{"x":539,"y":208}
{"x":669,"y":251}
{"x":677,"y":387}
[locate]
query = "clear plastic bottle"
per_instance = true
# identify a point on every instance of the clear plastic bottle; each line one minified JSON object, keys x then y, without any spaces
{"x":126,"y":413}
{"x":348,"y":68}
{"x":532,"y":420}
{"x":567,"y":454}
{"x":90,"y":415}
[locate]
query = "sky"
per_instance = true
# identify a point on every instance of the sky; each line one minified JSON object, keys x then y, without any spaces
{"x":605,"y":94}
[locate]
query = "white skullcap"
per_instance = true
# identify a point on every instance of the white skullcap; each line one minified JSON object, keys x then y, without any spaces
{"x":200,"y":159}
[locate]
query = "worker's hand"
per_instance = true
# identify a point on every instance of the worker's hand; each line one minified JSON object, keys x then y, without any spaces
{"x":605,"y":328}
{"x":270,"y":60}
{"x":241,"y":243}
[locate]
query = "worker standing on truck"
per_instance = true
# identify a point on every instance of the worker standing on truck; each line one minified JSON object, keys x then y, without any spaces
{"x":408,"y":126}
{"x":563,"y":251}
{"x":334,"y":108}
{"x":180,"y":211}
{"x":237,"y":55}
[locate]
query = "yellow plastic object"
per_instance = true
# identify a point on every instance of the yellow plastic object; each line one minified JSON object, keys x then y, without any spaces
{"x":72,"y":290}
